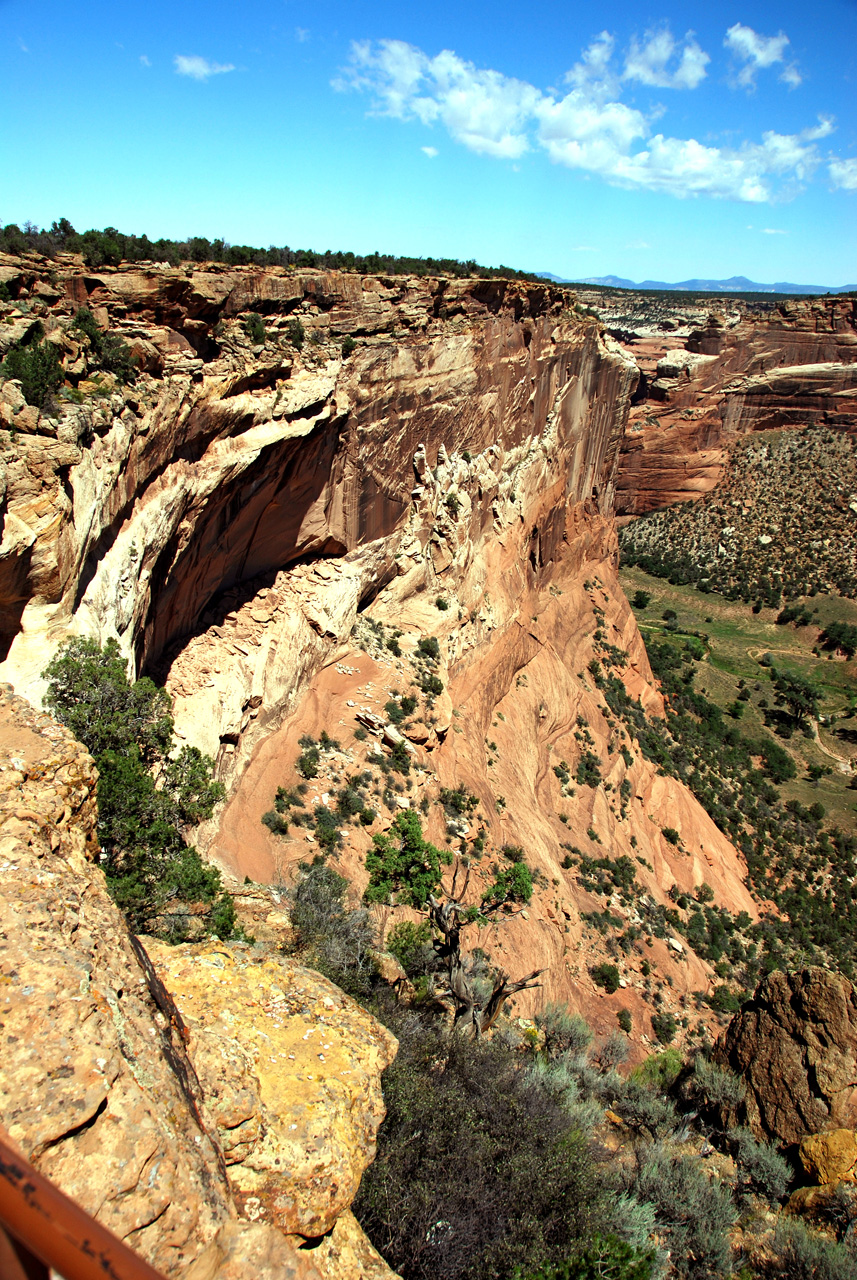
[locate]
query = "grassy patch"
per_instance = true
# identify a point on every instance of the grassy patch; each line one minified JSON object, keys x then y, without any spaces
{"x":736,"y":639}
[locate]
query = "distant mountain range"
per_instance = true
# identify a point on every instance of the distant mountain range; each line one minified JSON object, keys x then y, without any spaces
{"x":735,"y":284}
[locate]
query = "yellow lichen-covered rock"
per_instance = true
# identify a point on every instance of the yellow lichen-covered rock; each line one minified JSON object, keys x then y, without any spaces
{"x":290,"y":1068}
{"x":831,"y":1157}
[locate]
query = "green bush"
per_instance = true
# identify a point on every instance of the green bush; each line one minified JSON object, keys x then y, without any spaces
{"x":151,"y":871}
{"x":588,"y":770}
{"x":514,"y":884}
{"x":108,"y":350}
{"x":254,"y":327}
{"x":841,"y":636}
{"x":659,"y":1070}
{"x":803,"y":1254}
{"x":716,"y":1086}
{"x":310,"y":757}
{"x":480,"y":1171}
{"x":664,"y":1026}
{"x":37,"y":367}
{"x":641,"y":599}
{"x":403,"y":863}
{"x":779,"y":765}
{"x":430,"y":685}
{"x":767,"y":1171}
{"x":276,"y":822}
{"x":348,"y":345}
{"x":564,"y":1032}
{"x":694,"y":1213}
{"x":295,"y":333}
{"x":606,"y":1258}
{"x":645,"y":1111}
{"x":411,"y":945}
{"x":337,"y":941}
{"x":607,"y":976}
{"x":724,"y":1000}
{"x":623,"y":1017}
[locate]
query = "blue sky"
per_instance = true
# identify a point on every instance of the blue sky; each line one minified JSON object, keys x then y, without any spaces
{"x":651,"y":142}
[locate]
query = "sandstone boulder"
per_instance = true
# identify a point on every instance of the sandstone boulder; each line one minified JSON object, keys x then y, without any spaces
{"x":291,"y":1069}
{"x":795,"y":1046}
{"x":831,"y":1157}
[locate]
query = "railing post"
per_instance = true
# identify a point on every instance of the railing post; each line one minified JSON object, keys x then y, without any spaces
{"x":41,"y":1227}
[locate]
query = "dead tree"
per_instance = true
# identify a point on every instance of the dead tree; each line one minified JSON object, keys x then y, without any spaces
{"x":449,"y":916}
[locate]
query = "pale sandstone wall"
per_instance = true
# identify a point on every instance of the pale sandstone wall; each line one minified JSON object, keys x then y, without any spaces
{"x":220,"y":477}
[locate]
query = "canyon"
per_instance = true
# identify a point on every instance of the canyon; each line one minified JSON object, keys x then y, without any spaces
{"x":240,"y":515}
{"x":275,"y":528}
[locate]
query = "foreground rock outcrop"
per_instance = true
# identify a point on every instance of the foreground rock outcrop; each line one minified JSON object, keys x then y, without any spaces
{"x":291,"y":1071}
{"x":795,"y":1047}
{"x":96,"y":1083}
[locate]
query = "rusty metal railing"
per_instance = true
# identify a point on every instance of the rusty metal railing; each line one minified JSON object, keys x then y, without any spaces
{"x":40,"y":1227}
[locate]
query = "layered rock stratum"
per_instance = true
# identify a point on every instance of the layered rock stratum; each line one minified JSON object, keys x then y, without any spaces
{"x":706,"y":382}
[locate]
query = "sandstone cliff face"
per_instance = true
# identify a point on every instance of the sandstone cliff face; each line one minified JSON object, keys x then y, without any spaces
{"x":152,"y":515}
{"x":232,"y":516}
{"x":786,"y":365}
{"x":96,"y":1085}
{"x":795,"y":1047}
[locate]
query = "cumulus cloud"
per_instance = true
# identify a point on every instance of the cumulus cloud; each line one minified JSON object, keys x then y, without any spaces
{"x":431,"y":152}
{"x":773,"y":231}
{"x":199,"y":68}
{"x":759,"y":52}
{"x":586,"y":126}
{"x":844,"y":174}
{"x":594,"y":74}
{"x":484,"y":110}
{"x":660,"y":61}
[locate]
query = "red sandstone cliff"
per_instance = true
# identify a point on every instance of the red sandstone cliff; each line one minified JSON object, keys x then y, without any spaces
{"x":787,"y":365}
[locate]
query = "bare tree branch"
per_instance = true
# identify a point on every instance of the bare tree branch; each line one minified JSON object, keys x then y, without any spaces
{"x":449,"y":916}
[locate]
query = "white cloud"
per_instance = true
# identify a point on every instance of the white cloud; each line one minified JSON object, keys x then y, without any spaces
{"x":199,"y":68}
{"x":773,"y":231}
{"x":759,"y":52}
{"x":431,"y":152}
{"x":302,"y":34}
{"x":484,"y":110}
{"x":844,"y":174}
{"x":649,"y":61}
{"x":594,"y":74}
{"x":587,"y":128}
{"x":144,"y":61}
